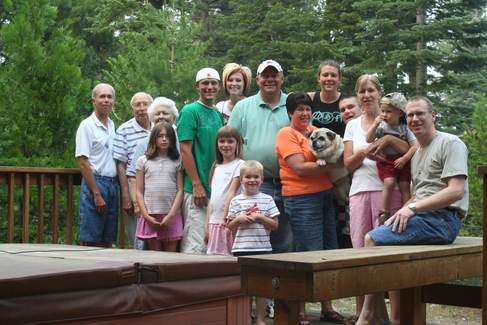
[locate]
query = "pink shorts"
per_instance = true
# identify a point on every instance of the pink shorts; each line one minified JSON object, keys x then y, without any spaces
{"x":364,"y":211}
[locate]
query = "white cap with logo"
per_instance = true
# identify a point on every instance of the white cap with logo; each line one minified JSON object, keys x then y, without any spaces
{"x":269,"y":63}
{"x":207,"y":73}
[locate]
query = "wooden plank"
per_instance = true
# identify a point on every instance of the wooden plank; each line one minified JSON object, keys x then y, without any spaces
{"x":34,"y":178}
{"x":286,"y":312}
{"x":25,"y":211}
{"x":10,"y":208}
{"x":279,"y":284}
{"x":55,"y":210}
{"x":238,"y":311}
{"x":453,"y":295}
{"x":40,"y":210}
{"x":343,"y":258}
{"x":347,"y":282}
{"x":413,"y":310}
{"x":69,"y":212}
{"x":16,"y":169}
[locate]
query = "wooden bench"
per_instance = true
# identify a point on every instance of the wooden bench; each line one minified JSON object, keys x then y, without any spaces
{"x":325,"y":275}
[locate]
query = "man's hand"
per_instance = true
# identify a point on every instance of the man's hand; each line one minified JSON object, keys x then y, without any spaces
{"x":400,"y":219}
{"x":199,"y":196}
{"x":127,"y":203}
{"x":99,"y":203}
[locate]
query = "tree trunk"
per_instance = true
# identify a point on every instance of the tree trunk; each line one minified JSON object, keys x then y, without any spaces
{"x":421,"y":45}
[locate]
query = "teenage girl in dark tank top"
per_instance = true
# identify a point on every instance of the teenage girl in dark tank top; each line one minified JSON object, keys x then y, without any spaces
{"x":326,"y":113}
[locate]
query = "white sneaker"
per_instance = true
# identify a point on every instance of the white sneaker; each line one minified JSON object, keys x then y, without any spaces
{"x":269,"y":309}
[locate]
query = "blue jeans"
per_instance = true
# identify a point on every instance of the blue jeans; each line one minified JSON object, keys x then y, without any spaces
{"x":93,"y":226}
{"x":312,"y":218}
{"x":437,"y":227}
{"x":282,"y":240}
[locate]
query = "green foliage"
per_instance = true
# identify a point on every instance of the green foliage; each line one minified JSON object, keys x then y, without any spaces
{"x":42,"y":88}
{"x":160,"y":54}
{"x":476,"y":141}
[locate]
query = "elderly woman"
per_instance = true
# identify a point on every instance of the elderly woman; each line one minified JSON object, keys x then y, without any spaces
{"x":162,"y":109}
{"x":366,"y":189}
{"x":306,"y":189}
{"x":236,"y":85}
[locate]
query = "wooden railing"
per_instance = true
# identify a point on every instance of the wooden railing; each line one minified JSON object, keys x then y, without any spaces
{"x":482,"y":170}
{"x":41,"y":177}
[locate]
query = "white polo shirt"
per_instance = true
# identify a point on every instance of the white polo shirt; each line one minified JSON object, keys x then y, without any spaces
{"x":95,"y":141}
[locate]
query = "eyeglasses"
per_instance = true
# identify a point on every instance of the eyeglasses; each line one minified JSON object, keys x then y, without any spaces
{"x":418,"y":114}
{"x":138,"y":105}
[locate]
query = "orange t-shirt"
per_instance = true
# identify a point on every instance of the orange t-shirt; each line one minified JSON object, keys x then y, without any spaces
{"x":290,"y":142}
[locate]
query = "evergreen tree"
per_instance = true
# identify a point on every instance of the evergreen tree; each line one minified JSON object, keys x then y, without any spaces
{"x":41,"y":87}
{"x":405,"y":39}
{"x":476,"y":141}
{"x":160,"y":53}
{"x":97,"y":46}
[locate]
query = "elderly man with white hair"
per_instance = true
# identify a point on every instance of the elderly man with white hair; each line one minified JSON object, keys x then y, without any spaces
{"x":126,"y":139}
{"x":162,"y":109}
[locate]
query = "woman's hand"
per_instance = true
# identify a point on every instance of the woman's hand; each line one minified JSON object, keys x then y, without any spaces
{"x":376,"y":147}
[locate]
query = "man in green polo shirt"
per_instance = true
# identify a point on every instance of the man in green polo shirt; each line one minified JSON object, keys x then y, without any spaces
{"x":198,"y":124}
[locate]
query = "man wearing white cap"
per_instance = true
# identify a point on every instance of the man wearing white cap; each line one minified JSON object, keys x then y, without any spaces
{"x":197,"y":127}
{"x":259,"y":118}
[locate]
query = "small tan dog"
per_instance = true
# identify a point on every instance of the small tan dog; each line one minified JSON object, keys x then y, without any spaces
{"x":327,"y":147}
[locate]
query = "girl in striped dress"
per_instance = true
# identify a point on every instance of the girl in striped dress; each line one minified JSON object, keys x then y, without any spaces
{"x":159,"y":187}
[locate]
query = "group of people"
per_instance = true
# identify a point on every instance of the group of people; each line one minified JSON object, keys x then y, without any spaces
{"x":237,"y":178}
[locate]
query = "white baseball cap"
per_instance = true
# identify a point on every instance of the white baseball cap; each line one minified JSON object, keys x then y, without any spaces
{"x":269,"y":63}
{"x":206,"y":73}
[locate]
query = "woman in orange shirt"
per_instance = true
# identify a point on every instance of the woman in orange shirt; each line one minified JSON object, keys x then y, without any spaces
{"x":306,"y":188}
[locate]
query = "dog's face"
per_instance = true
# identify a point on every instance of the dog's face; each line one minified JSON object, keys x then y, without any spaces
{"x":320,"y":139}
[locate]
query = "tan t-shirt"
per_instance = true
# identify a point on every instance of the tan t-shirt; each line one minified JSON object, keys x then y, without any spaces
{"x":444,"y":157}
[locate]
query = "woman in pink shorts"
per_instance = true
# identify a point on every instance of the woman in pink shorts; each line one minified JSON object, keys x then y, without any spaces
{"x":366,"y":188}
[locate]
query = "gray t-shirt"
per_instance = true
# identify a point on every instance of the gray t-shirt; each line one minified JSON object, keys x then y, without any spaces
{"x":444,"y":157}
{"x":401,"y":131}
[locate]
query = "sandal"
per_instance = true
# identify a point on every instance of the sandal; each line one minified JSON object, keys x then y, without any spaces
{"x":383,"y":216}
{"x":303,"y":320}
{"x":352,"y":320}
{"x":332,"y":317}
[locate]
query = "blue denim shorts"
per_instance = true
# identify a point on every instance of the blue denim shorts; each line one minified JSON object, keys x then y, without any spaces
{"x":436,"y":227}
{"x":93,"y":226}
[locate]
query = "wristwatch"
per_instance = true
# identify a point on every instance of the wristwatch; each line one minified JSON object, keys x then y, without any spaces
{"x":412,"y":206}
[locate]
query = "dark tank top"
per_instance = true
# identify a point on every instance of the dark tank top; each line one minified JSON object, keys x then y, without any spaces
{"x":327,"y":115}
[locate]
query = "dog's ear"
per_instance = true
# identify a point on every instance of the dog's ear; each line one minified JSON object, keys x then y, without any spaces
{"x":331,"y":135}
{"x":308,"y":134}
